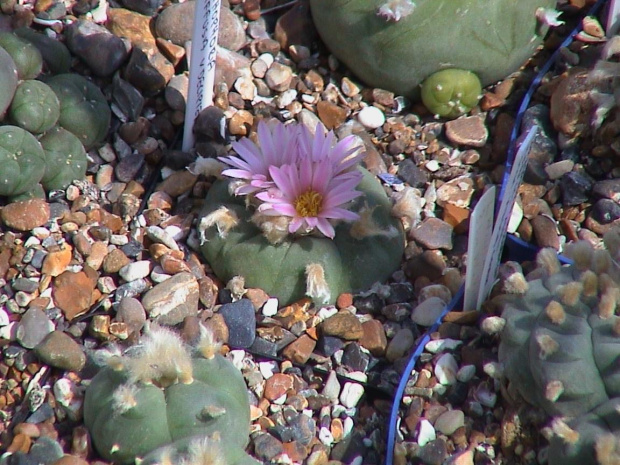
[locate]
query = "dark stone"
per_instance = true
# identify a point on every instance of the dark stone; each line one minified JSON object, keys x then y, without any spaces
{"x":24,"y":284}
{"x":264,"y":348}
{"x":282,"y":433}
{"x":400,"y":292}
{"x":19,"y":458}
{"x":101,"y":50}
{"x":127,"y":169}
{"x":351,"y":447}
{"x":606,"y":211}
{"x":241,"y":321}
{"x":303,"y":428}
{"x":46,"y":451}
{"x":45,"y":412}
{"x":409,"y":172}
{"x":434,"y":452}
{"x":328,"y":345}
{"x":145,"y":7}
{"x":354,"y":358}
{"x":575,"y":188}
{"x":368,"y":304}
{"x":457,"y":394}
{"x":266,"y":447}
{"x":132,"y":249}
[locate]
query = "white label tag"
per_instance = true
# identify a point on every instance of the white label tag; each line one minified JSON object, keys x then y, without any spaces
{"x":491,"y":264}
{"x":480,"y":231}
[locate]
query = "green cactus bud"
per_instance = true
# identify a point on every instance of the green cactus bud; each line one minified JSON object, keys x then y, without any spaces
{"x":360,"y":254}
{"x":55,"y":54}
{"x":35,"y":107}
{"x":27,"y":58}
{"x":84,"y":110}
{"x":8,"y":81}
{"x":65,"y":159}
{"x":396,"y":44}
{"x":450,"y":93}
{"x":161,"y":397}
{"x":22,"y":161}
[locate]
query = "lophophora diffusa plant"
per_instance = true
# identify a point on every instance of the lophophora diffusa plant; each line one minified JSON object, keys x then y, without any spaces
{"x":397,"y":44}
{"x":299,"y":216}
{"x":53,"y":121}
{"x":163,"y":401}
{"x":560,"y":349}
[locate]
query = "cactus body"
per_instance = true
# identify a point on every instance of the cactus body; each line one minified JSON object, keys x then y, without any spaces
{"x":451,"y":92}
{"x":35,"y":107}
{"x":27,"y":58}
{"x":55,"y":54}
{"x":22,"y":161}
{"x":349,"y":263}
{"x":396,"y":48}
{"x":560,"y":348}
{"x":8,"y":81}
{"x":83,"y":108}
{"x":131,"y":416}
{"x":65,"y":159}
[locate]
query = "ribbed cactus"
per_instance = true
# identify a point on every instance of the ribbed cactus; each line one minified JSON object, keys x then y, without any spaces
{"x":27,"y":58}
{"x":35,"y":107}
{"x":65,"y":159}
{"x":162,"y":396}
{"x":396,"y":44}
{"x":561,"y":345}
{"x":22,"y":161}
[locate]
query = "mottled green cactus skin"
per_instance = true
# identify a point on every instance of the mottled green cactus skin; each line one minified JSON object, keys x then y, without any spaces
{"x":491,"y":38}
{"x":450,"y":93}
{"x":165,"y":415}
{"x":22,"y":161}
{"x":349,"y":264}
{"x":35,"y":107}
{"x":27,"y":58}
{"x":65,"y":159}
{"x":84,"y":110}
{"x":55,"y":54}
{"x":8,"y":81}
{"x":567,"y":366}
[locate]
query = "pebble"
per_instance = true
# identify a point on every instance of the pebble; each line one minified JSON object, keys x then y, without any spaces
{"x":373,"y":338}
{"x":61,"y":351}
{"x":300,"y":350}
{"x":25,"y":215}
{"x":448,"y":422}
{"x":131,"y":312}
{"x":371,"y":117}
{"x":240,"y":319}
{"x":73,"y":293}
{"x":446,"y":369}
{"x":135,"y":270}
{"x":434,"y":233}
{"x":157,"y":234}
{"x":427,"y":312}
{"x":433,"y":452}
{"x":278,"y":77}
{"x":33,"y":327}
{"x":351,"y":394}
{"x":426,"y":432}
{"x":344,"y":325}
{"x":470,"y":131}
{"x":169,"y":302}
{"x":400,"y":344}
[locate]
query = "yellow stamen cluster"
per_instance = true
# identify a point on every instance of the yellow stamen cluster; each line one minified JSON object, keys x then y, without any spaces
{"x":308,"y":204}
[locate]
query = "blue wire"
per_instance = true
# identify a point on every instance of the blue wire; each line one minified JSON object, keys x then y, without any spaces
{"x":415,"y":355}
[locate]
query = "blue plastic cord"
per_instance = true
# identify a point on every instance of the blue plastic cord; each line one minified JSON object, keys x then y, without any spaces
{"x":415,"y":355}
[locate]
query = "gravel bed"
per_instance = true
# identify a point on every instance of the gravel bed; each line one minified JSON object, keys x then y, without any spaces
{"x":93,"y":264}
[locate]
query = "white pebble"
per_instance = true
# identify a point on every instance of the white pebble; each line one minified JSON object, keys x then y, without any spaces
{"x":347,"y":426}
{"x":158,"y":274}
{"x":371,"y":117}
{"x":136,"y":270}
{"x":432,"y":166}
{"x":267,"y":58}
{"x":426,"y":432}
{"x":270,"y":308}
{"x":237,"y":358}
{"x":485,"y":396}
{"x":446,"y":369}
{"x":326,"y":312}
{"x":493,"y":369}
{"x":119,"y":239}
{"x":441,"y":345}
{"x":267,"y":369}
{"x":466,"y":373}
{"x":4,"y":317}
{"x":351,"y":394}
{"x":175,"y":232}
{"x":325,"y":436}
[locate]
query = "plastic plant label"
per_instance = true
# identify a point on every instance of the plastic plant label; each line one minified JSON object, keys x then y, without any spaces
{"x":495,"y":246}
{"x":202,"y":65}
{"x":480,"y":231}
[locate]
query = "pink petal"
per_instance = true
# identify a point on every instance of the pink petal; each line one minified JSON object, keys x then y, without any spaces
{"x":285,"y":209}
{"x":295,"y":225}
{"x":339,"y":214}
{"x":339,"y":199}
{"x":326,"y":228}
{"x":240,"y":174}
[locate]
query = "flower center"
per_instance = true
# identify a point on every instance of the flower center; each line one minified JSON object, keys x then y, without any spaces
{"x":308,"y":204}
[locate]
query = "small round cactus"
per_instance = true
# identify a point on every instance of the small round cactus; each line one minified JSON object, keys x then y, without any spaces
{"x":8,"y":81}
{"x":450,"y":93}
{"x":56,"y":55}
{"x":561,"y":345}
{"x":84,"y":110}
{"x":162,"y":395}
{"x":65,"y":159}
{"x":26,"y":56}
{"x":22,"y":161}
{"x":35,"y":107}
{"x":360,"y":254}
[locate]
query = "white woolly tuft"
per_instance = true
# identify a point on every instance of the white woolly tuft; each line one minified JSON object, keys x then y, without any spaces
{"x":124,"y":398}
{"x":222,"y":218}
{"x":547,"y":259}
{"x":207,"y":450}
{"x":207,"y":167}
{"x":316,"y":285}
{"x":207,"y":344}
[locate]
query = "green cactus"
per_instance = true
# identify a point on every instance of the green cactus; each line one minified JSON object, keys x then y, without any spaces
{"x":164,"y":396}
{"x":65,"y":159}
{"x":561,"y":344}
{"x":26,"y":56}
{"x":8,"y":81}
{"x":22,"y":161}
{"x":359,"y":255}
{"x":451,"y":93}
{"x":396,"y":44}
{"x":84,"y":110}
{"x":55,"y":54}
{"x":35,"y":107}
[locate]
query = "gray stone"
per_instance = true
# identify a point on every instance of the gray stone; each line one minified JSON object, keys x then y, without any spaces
{"x":171,"y":301}
{"x":33,"y":327}
{"x":240,"y":317}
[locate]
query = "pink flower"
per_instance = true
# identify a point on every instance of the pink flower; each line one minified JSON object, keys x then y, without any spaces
{"x":311,"y":192}
{"x":321,"y":146}
{"x":278,"y":145}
